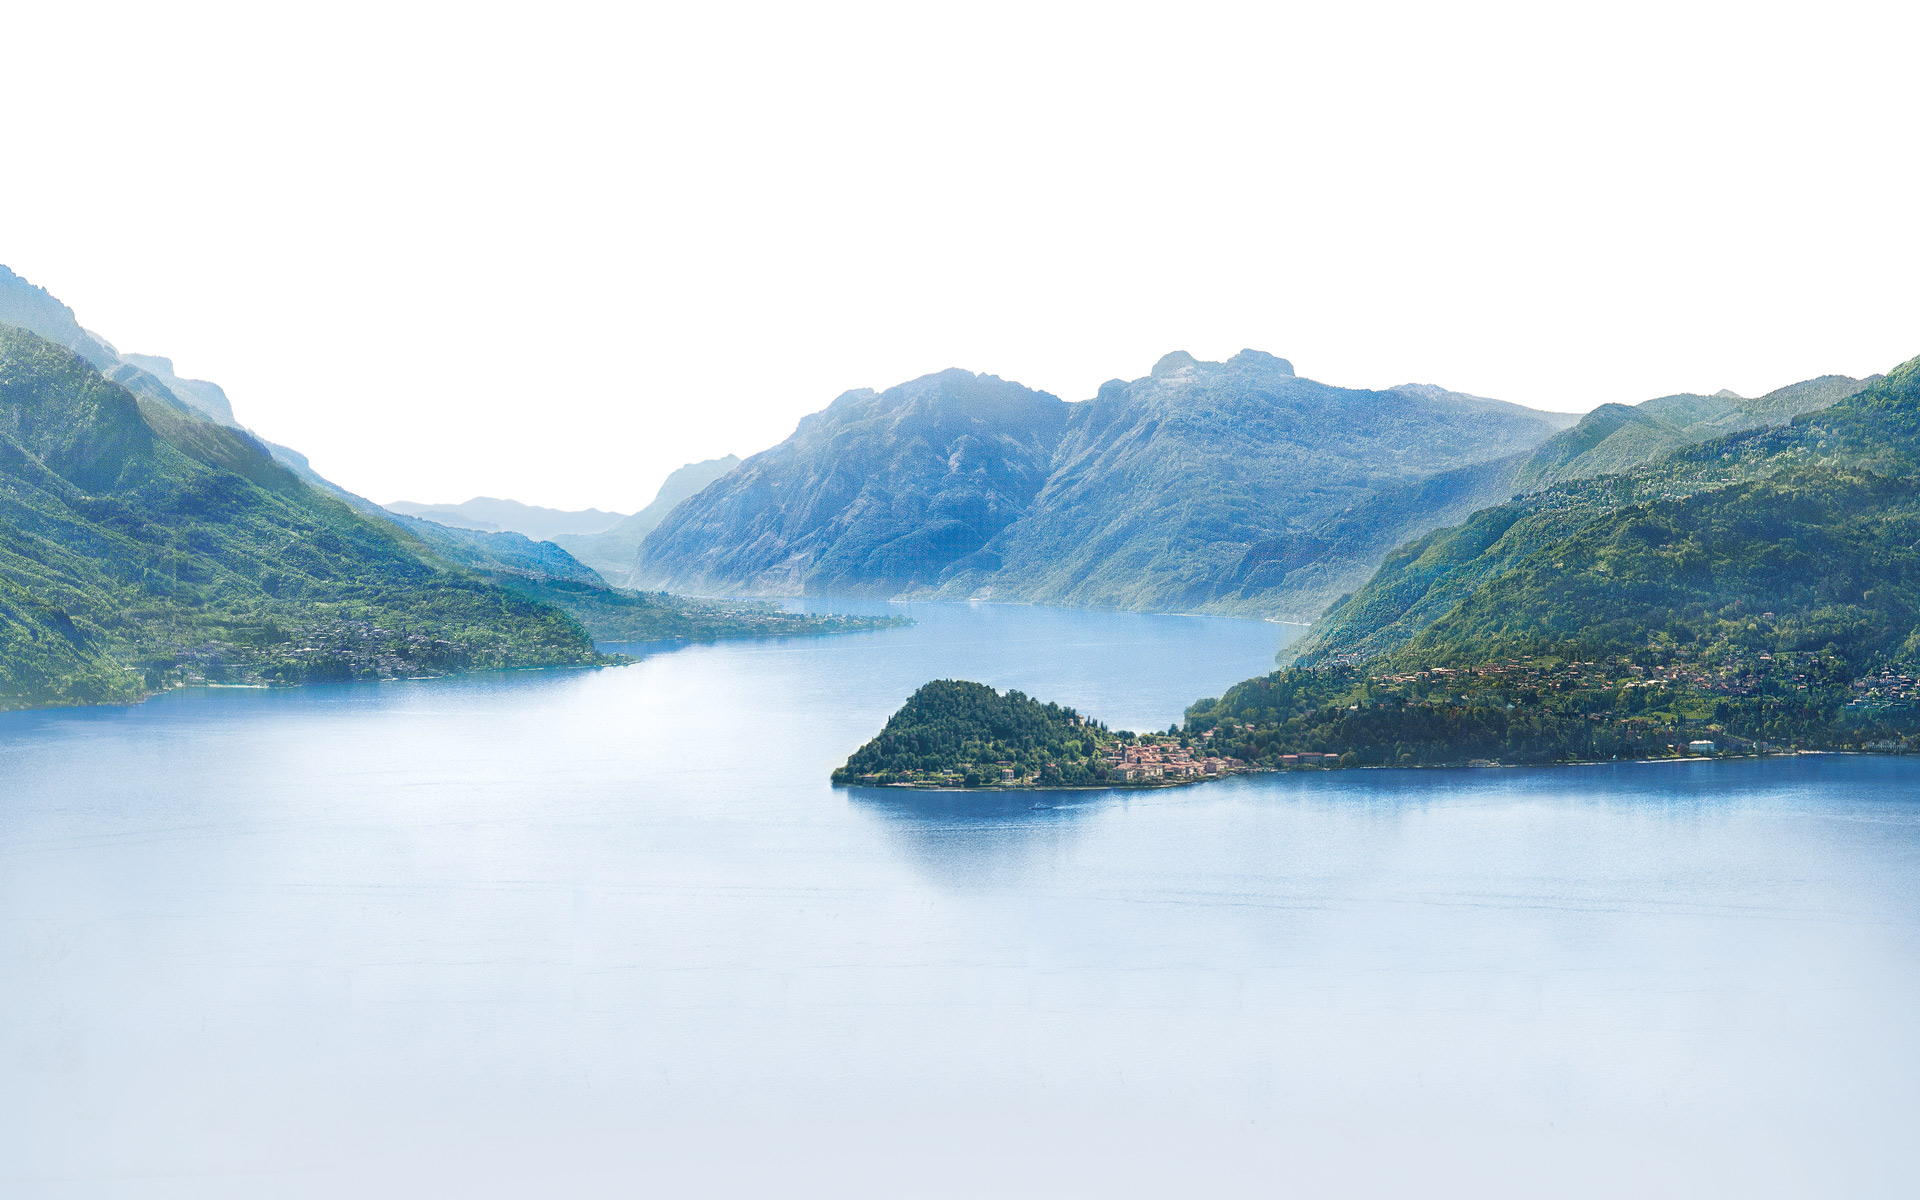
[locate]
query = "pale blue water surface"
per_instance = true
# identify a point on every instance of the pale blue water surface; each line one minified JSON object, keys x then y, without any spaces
{"x":610,"y":933}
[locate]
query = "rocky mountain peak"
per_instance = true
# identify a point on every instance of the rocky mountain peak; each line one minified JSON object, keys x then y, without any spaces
{"x":1170,"y":364}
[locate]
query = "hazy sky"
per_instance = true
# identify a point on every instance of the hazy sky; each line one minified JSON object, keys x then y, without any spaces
{"x":552,"y":251}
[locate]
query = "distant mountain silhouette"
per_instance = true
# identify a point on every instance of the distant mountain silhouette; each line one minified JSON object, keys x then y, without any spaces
{"x":612,"y":553}
{"x":493,"y":516}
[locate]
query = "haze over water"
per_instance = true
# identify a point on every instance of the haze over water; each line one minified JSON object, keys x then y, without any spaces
{"x":612,"y":933}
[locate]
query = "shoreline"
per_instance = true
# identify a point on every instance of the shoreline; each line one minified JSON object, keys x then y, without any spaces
{"x":613,"y":660}
{"x":1498,"y":766}
{"x":608,"y":659}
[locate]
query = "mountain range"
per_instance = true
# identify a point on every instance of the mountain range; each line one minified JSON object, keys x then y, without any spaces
{"x":143,"y":545}
{"x":1235,"y":486}
{"x":1752,"y":593}
{"x":147,"y":541}
{"x":488,"y":515}
{"x":146,"y":538}
{"x":33,"y":308}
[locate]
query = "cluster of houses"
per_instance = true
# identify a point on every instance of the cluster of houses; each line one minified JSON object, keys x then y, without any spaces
{"x":1139,"y":762}
{"x":1735,"y":675}
{"x":1888,"y":689}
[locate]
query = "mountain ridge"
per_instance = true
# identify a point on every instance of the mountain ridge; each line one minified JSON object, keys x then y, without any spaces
{"x":962,"y":485}
{"x":143,"y":546}
{"x":1617,"y":437}
{"x":490,"y":514}
{"x":1444,"y":588}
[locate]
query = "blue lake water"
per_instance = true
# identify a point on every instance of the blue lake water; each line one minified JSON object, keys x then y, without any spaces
{"x":610,"y":933}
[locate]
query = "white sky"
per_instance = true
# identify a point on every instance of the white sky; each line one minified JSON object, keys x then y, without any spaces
{"x":552,"y":251}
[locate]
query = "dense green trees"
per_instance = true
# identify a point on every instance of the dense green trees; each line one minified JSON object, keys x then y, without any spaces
{"x":143,"y":546}
{"x":1811,"y":521}
{"x":1764,"y":587}
{"x":959,"y":733}
{"x":1544,"y":709}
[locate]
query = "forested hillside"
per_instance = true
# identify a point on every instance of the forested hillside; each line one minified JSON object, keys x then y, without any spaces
{"x":147,"y":540}
{"x":1618,"y":437}
{"x":142,"y":545}
{"x":1763,"y":587}
{"x":1792,"y":487}
{"x":966,"y":734}
{"x":36,"y":310}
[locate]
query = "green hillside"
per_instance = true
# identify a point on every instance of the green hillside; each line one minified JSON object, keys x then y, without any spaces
{"x":1764,"y":587}
{"x":968,"y":734}
{"x":1618,"y":437}
{"x":955,"y":734}
{"x":1870,"y":440}
{"x":142,"y":546}
{"x":958,"y":733}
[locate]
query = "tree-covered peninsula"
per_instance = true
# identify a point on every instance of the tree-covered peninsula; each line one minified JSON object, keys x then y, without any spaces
{"x":953,"y":733}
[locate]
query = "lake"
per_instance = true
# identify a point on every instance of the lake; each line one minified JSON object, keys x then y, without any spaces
{"x":611,"y":933}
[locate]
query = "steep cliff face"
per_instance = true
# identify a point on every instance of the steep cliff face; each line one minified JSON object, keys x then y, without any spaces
{"x":36,"y":310}
{"x":881,"y":492}
{"x":1203,"y":486}
{"x":209,"y":398}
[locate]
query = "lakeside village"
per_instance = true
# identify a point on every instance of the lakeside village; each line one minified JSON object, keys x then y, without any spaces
{"x":1118,"y":759}
{"x":325,"y":650}
{"x":1670,"y":701}
{"x":1667,"y":703}
{"x":1163,"y":758}
{"x":1138,"y":759}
